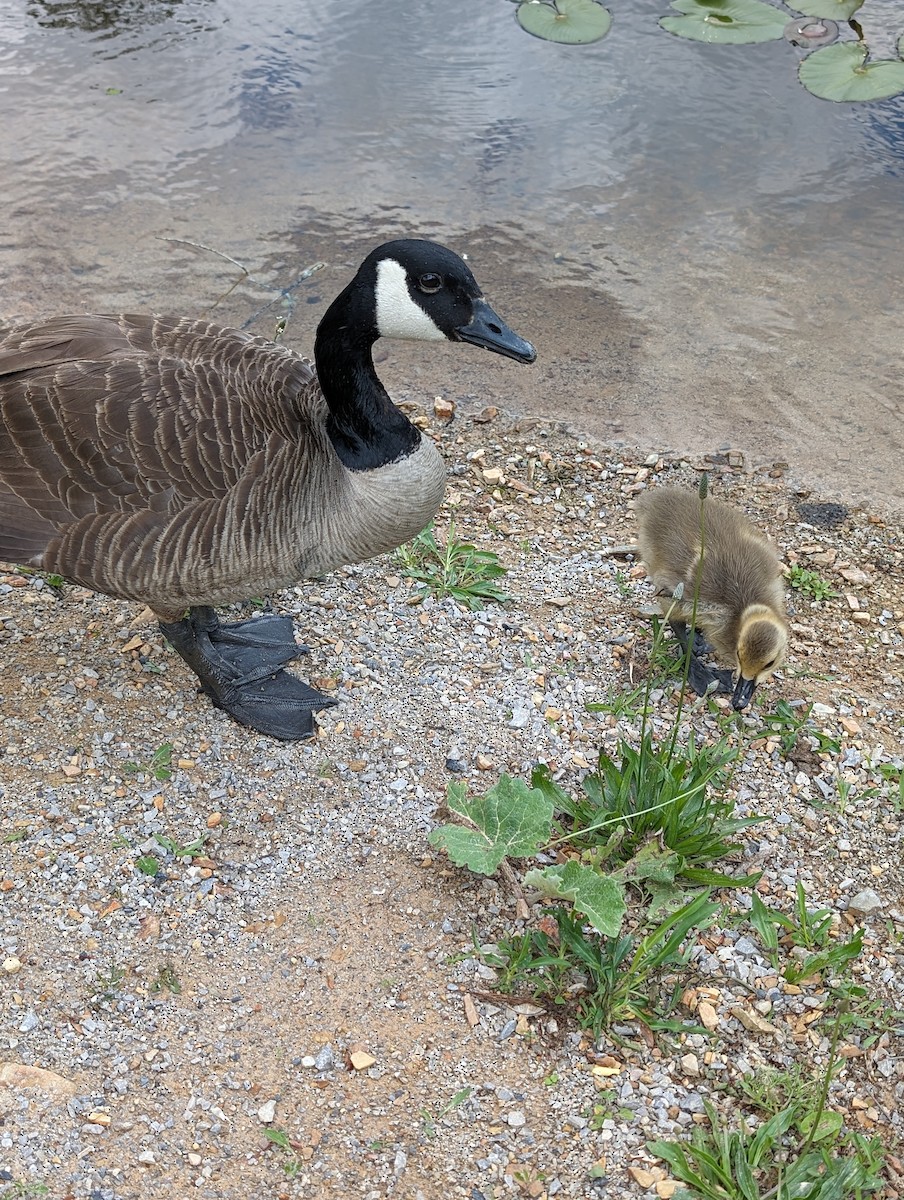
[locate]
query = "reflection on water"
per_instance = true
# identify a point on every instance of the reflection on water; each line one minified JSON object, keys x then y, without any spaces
{"x":704,"y":253}
{"x":110,"y":19}
{"x":884,"y":134}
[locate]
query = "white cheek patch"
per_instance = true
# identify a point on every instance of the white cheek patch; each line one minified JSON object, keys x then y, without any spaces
{"x":397,"y":314}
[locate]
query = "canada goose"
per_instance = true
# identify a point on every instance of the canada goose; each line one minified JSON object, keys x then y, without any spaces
{"x":171,"y":461}
{"x":740,"y":602}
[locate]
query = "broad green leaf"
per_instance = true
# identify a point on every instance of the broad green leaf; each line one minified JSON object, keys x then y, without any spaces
{"x":841,"y":72}
{"x":598,"y":897}
{"x":728,"y":21}
{"x":829,"y":1125}
{"x":575,"y":22}
{"x":653,"y":864}
{"x":663,"y":897}
{"x":510,"y":819}
{"x":835,"y":10}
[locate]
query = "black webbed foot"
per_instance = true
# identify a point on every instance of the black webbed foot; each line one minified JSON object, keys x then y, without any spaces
{"x":701,"y":645}
{"x":268,"y":638}
{"x":701,"y":677}
{"x":704,"y":679}
{"x":240,"y":669}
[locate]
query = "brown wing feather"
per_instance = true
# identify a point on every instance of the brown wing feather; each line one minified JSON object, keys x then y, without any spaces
{"x":111,"y":426}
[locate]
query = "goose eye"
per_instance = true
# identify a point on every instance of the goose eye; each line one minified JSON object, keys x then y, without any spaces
{"x":430,"y":283}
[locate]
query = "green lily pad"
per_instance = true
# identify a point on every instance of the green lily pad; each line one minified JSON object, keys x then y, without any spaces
{"x":733,"y":22}
{"x":837,"y":10}
{"x":841,"y":72}
{"x":575,"y":22}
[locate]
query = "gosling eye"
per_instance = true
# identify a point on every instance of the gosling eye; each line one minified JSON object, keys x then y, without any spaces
{"x":430,"y":283}
{"x":769,"y":665}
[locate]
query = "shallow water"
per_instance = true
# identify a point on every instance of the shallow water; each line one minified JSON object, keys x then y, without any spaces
{"x":704,"y":254}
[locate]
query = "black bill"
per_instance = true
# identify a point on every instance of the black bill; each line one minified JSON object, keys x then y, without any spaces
{"x":490,"y":331}
{"x":743,"y":693}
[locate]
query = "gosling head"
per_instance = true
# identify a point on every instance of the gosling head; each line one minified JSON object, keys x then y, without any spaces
{"x":762,"y":645}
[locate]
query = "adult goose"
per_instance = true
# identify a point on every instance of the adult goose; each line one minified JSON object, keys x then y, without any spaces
{"x":733,"y":570}
{"x":184,"y":465}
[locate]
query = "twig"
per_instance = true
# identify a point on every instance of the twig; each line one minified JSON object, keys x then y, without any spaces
{"x":505,"y":870}
{"x":284,"y":294}
{"x":246,"y":274}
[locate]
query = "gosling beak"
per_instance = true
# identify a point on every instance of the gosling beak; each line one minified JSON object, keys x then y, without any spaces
{"x":742,"y":693}
{"x":488,"y":330}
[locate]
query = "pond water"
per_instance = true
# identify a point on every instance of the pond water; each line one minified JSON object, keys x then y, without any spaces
{"x":704,"y":254}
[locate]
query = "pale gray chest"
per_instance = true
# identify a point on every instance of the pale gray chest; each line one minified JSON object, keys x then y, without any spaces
{"x":371,"y":512}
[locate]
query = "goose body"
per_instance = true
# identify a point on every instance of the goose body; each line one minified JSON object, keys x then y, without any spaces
{"x":184,"y":465}
{"x":739,"y":595}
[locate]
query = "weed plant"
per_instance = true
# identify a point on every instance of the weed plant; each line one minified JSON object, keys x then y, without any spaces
{"x":788,"y":724}
{"x":291,"y":1164}
{"x":654,"y":793}
{"x":23,"y":1190}
{"x":456,"y":569}
{"x":610,"y":979}
{"x":812,"y":931}
{"x":773,"y":1162}
{"x":810,"y":584}
{"x":160,"y":766}
{"x":800,"y":1150}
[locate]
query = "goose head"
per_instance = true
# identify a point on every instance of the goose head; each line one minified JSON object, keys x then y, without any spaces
{"x":762,"y":645}
{"x":423,"y":290}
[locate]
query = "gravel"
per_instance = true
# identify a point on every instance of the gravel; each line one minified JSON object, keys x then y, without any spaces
{"x":176,"y":1017}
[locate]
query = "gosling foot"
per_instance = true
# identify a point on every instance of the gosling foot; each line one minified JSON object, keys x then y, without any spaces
{"x":706,"y":680}
{"x":240,"y":669}
{"x":702,"y":678}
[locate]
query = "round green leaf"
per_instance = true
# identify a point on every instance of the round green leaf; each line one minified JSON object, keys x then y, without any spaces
{"x":575,"y":22}
{"x":837,"y":10}
{"x":841,"y":72}
{"x":733,"y":22}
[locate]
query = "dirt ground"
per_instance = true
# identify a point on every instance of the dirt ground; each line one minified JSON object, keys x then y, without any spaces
{"x":183,"y":1014}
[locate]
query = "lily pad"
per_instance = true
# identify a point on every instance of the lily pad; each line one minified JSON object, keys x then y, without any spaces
{"x":810,"y":32}
{"x":837,"y":10}
{"x":575,"y":22}
{"x":733,"y":22}
{"x":841,"y":72}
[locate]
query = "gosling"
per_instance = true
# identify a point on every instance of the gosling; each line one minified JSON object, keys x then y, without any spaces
{"x":740,"y":612}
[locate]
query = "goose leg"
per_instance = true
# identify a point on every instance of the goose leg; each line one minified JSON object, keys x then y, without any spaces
{"x":699,"y":675}
{"x":247,"y":680}
{"x":270,"y":636}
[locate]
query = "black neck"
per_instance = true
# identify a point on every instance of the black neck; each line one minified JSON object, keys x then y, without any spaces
{"x":365,"y":427}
